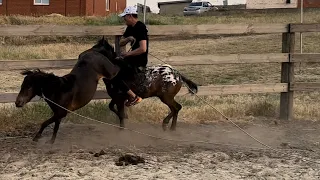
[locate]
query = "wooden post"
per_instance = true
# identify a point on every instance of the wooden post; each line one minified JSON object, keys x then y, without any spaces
{"x":119,"y":48}
{"x":117,"y":45}
{"x":287,"y":76}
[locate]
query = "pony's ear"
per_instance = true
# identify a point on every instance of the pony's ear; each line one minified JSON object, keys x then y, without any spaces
{"x":102,"y":38}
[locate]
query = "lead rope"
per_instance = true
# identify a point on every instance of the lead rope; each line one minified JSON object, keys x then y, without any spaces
{"x":168,"y":139}
{"x":135,"y":131}
{"x":228,"y":119}
{"x":260,"y":142}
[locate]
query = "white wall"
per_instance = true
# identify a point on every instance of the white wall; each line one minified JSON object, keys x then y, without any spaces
{"x":230,"y":2}
{"x":264,"y":4}
{"x":153,"y":4}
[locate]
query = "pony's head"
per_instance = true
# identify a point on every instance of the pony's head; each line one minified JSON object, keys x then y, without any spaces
{"x":31,"y":86}
{"x":105,"y":48}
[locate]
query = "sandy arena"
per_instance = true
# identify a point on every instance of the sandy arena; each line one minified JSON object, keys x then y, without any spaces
{"x":72,"y":155}
{"x":232,"y":154}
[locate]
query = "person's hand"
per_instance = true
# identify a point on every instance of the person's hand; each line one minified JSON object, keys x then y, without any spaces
{"x":124,"y":54}
{"x":131,"y":39}
{"x":119,"y":58}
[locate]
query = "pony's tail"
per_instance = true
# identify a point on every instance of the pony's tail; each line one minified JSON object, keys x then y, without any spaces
{"x":192,"y":87}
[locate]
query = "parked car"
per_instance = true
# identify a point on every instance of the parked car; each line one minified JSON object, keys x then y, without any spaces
{"x":196,"y":8}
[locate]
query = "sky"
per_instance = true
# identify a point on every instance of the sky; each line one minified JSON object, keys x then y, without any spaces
{"x":153,"y":4}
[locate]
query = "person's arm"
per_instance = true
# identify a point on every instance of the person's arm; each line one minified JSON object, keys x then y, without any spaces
{"x":142,"y":37}
{"x":125,"y":40}
{"x":142,"y":49}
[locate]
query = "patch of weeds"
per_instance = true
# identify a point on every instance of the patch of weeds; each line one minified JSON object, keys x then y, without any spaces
{"x":262,"y":108}
{"x":14,"y":20}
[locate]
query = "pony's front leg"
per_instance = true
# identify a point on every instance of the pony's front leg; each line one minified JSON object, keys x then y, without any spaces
{"x":121,"y":113}
{"x":111,"y":107}
{"x":57,"y":121}
{"x":55,"y":131}
{"x":43,"y":126}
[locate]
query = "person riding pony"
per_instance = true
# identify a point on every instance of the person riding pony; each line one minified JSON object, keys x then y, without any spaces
{"x":137,"y":58}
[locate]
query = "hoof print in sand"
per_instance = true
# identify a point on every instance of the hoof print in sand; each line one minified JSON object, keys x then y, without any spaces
{"x":129,"y":159}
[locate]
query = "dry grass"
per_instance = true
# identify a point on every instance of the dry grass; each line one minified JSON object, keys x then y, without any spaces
{"x":154,"y":19}
{"x":238,"y":107}
{"x":241,"y":107}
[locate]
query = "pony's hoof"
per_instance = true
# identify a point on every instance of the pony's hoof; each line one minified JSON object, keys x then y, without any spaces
{"x":51,"y":141}
{"x":121,"y":127}
{"x":36,"y":138}
{"x":164,"y":127}
{"x":173,"y":128}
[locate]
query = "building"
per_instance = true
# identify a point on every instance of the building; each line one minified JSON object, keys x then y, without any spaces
{"x":309,"y":3}
{"x":173,"y":7}
{"x":114,"y":6}
{"x":226,"y":2}
{"x":269,"y":4}
{"x":63,"y":7}
{"x":140,"y":8}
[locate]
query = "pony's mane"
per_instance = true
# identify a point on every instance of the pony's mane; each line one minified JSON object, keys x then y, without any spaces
{"x":65,"y":82}
{"x":35,"y":71}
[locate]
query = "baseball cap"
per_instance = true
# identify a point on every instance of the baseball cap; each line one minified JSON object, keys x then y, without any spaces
{"x":129,"y":10}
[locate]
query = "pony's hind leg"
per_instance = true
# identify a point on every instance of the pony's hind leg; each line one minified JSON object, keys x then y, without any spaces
{"x":169,"y":101}
{"x":166,"y":120}
{"x":177,"y":107}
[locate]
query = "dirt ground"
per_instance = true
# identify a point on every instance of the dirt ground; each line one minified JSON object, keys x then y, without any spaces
{"x":71,"y":157}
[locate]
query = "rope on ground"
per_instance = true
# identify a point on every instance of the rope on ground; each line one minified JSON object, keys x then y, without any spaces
{"x":155,"y":137}
{"x":174,"y":140}
{"x":168,"y":139}
{"x":257,"y":140}
{"x":14,"y":137}
{"x":141,"y":133}
{"x":228,"y":119}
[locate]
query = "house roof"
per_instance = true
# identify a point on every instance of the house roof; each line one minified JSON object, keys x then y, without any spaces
{"x":173,"y":2}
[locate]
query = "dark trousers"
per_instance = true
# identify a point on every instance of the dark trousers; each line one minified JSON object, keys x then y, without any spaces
{"x":126,"y":72}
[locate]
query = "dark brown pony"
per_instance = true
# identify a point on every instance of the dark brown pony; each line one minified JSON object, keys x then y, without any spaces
{"x":160,"y":81}
{"x":71,"y":91}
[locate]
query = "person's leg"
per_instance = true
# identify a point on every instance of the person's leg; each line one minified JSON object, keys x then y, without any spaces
{"x":134,"y":99}
{"x":118,"y":81}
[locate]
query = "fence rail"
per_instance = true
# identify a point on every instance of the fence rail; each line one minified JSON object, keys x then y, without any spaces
{"x":173,"y":60}
{"x":287,"y":58}
{"x":73,"y":30}
{"x":203,"y":91}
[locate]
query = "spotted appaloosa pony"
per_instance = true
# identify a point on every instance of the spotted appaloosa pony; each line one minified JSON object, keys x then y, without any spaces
{"x":71,"y":91}
{"x":161,"y":81}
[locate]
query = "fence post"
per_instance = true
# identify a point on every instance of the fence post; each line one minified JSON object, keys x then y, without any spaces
{"x":117,"y":44}
{"x":287,"y":76}
{"x":118,"y":48}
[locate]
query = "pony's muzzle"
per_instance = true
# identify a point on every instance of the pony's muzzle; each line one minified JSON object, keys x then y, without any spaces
{"x":19,"y":102}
